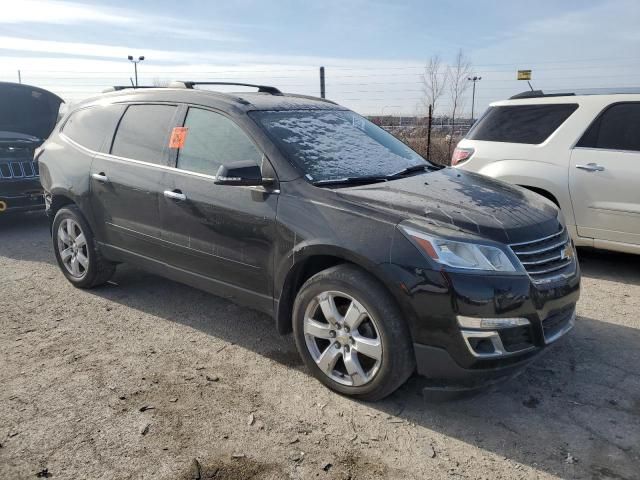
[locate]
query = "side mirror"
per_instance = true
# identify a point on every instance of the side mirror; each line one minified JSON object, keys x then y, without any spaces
{"x":245,"y":173}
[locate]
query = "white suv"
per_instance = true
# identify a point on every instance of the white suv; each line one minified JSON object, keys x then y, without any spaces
{"x":580,"y":151}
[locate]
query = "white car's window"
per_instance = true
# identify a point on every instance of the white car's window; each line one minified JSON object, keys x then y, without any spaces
{"x":618,"y":128}
{"x":531,"y":124}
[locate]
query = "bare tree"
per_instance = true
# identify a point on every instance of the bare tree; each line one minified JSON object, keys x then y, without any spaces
{"x":457,"y":83}
{"x":433,"y":82}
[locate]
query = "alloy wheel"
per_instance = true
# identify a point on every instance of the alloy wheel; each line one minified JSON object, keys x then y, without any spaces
{"x":343,"y":338}
{"x":72,"y":247}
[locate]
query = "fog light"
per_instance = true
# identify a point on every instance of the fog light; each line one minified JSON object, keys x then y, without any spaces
{"x":491,"y":323}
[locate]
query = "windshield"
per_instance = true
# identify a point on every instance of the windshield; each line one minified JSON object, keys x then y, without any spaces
{"x":336,"y":144}
{"x":27,"y":111}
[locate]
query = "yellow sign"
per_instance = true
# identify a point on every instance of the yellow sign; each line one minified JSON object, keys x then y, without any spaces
{"x":524,"y":74}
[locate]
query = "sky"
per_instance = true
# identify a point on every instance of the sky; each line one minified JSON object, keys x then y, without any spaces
{"x":373,"y":51}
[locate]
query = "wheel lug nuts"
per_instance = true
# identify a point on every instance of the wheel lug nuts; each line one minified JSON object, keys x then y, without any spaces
{"x":332,"y":333}
{"x":346,"y":348}
{"x":337,"y":345}
{"x":346,"y":328}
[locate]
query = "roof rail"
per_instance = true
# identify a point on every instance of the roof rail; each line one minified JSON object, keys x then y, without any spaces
{"x":261,"y":88}
{"x":538,"y":94}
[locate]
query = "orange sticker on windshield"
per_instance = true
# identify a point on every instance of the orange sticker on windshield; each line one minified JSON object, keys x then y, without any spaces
{"x":178,"y":137}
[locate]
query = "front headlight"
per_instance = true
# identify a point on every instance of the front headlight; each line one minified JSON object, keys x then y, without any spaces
{"x":464,"y":255}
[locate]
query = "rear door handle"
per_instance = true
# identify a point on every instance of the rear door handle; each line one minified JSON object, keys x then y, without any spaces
{"x":591,"y":167}
{"x":100,"y":177}
{"x":175,"y":195}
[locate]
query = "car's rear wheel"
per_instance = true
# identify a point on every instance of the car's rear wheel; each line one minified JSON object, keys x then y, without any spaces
{"x":351,"y":335}
{"x":76,"y":251}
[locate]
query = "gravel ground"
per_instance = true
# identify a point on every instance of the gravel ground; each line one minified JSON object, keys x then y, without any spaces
{"x":147,"y":378}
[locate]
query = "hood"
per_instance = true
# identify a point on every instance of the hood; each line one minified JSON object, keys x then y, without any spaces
{"x":456,"y":203}
{"x":28,"y":110}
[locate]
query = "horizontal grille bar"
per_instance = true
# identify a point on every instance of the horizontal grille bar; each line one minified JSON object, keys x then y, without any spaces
{"x":14,"y":170}
{"x":545,"y":257}
{"x":539,"y":240}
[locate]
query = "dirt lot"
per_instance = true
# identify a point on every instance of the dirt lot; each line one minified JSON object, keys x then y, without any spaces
{"x":140,"y":378}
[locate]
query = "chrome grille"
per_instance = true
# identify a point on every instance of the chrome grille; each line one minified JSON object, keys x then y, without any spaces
{"x":21,"y":169}
{"x":545,"y":257}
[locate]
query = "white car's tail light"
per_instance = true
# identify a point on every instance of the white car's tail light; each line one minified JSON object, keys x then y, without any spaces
{"x":461,"y":155}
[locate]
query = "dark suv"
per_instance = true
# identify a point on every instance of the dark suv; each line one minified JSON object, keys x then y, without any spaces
{"x":379,"y":261}
{"x":27,"y":116}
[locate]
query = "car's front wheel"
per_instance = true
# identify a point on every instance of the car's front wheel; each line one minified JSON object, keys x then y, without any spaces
{"x":351,"y":335}
{"x":76,"y":251}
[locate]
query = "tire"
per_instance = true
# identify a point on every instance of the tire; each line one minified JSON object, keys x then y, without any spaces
{"x":78,"y":257}
{"x":333,"y":352}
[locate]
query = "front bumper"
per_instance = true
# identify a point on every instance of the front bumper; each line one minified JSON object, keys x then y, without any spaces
{"x":452,"y":357}
{"x":20,"y":195}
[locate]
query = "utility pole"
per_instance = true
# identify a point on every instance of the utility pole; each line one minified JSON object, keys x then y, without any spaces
{"x":19,"y":77}
{"x":135,"y":66}
{"x":322,"y":89}
{"x":429,"y":131}
{"x":473,"y":96}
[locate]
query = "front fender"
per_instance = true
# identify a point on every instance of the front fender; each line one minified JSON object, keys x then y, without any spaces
{"x":547,"y":176}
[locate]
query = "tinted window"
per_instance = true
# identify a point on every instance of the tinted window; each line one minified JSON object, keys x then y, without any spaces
{"x":212,"y":140}
{"x":618,"y":128}
{"x":90,"y":126}
{"x":334,"y":144}
{"x":531,"y":124}
{"x":143,"y":133}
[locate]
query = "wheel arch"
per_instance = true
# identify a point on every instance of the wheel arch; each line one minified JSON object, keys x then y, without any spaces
{"x":543,"y":192}
{"x":303,"y":265}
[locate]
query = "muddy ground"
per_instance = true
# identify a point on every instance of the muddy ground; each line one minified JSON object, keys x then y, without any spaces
{"x":147,"y":378}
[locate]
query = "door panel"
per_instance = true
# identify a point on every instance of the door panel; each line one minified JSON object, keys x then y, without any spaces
{"x":606,"y":201}
{"x":604,"y":176}
{"x":221,"y":232}
{"x":125,"y":203}
{"x":224,"y":233}
{"x":126,"y":183}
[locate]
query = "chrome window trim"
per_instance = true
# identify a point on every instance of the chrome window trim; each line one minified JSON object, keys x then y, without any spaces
{"x":168,"y":168}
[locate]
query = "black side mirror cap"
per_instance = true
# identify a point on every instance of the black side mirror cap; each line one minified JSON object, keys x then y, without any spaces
{"x":244,"y":173}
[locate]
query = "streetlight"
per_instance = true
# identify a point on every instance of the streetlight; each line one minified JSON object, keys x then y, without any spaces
{"x":473,"y":97}
{"x":135,"y":65}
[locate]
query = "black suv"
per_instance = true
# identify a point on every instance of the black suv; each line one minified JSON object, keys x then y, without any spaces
{"x":379,"y":261}
{"x":27,"y":116}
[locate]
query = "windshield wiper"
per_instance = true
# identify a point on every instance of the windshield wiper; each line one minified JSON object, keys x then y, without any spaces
{"x":413,"y":169}
{"x":351,"y":180}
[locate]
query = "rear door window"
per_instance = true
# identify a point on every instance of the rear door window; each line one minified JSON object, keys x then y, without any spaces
{"x":531,"y":124}
{"x":618,"y":128}
{"x":89,"y":127}
{"x":211,"y":140}
{"x":143,"y":133}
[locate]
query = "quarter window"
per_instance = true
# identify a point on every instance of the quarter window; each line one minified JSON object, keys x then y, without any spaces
{"x":143,"y":133}
{"x":531,"y":124}
{"x":212,"y":140}
{"x":90,"y":126}
{"x":618,"y":128}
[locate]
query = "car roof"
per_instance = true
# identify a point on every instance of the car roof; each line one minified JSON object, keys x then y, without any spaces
{"x":242,"y":101}
{"x":592,"y":96}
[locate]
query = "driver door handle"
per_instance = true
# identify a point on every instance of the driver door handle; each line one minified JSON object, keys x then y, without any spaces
{"x":100,"y":177}
{"x":591,"y":167}
{"x":175,"y":195}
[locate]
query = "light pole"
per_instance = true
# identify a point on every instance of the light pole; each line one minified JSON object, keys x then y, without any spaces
{"x":473,"y":96}
{"x":135,"y":65}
